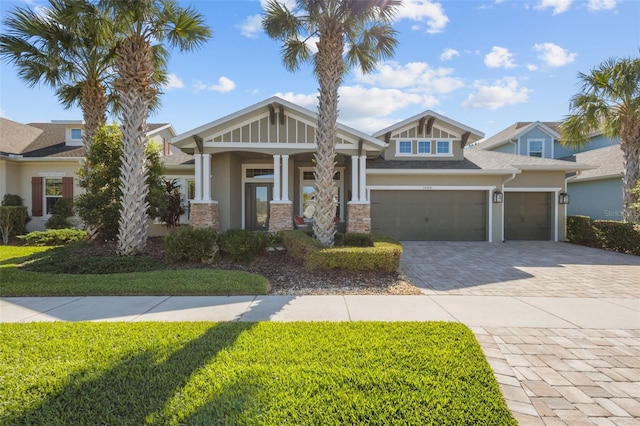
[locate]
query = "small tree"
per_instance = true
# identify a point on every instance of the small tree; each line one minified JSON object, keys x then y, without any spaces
{"x":62,"y":209}
{"x":12,"y":219}
{"x":16,"y":201}
{"x":99,"y":206}
{"x":173,"y":205}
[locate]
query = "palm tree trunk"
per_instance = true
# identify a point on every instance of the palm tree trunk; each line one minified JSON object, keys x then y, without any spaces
{"x":630,"y":145}
{"x":93,"y":102}
{"x":134,"y":65}
{"x":330,"y":69}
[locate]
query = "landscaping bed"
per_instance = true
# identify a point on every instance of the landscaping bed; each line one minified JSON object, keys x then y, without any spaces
{"x":246,"y":373}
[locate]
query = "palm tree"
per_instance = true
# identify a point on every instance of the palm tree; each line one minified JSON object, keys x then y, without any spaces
{"x":140,"y":66}
{"x":609,"y":102}
{"x":364,"y":27}
{"x":67,"y":47}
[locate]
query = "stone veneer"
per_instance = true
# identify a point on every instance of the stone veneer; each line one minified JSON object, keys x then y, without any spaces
{"x":359,"y":217}
{"x":204,"y":215}
{"x":280,"y":216}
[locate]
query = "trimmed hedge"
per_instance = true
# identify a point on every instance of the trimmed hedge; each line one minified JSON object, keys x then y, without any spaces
{"x":186,"y":243}
{"x":383,"y":256}
{"x":612,"y":235}
{"x":54,"y":237}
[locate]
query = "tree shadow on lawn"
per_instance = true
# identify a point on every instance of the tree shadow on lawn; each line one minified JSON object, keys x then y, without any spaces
{"x":134,"y":389}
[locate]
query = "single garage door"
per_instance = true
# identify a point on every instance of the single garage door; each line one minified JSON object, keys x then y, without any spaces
{"x":430,"y":215}
{"x":527,"y":216}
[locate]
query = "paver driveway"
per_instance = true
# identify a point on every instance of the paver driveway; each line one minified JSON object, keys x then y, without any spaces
{"x":521,"y":268}
{"x":573,"y":376}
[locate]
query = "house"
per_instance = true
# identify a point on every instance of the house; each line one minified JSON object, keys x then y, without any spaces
{"x":596,"y":193}
{"x":39,"y":162}
{"x":413,"y":180}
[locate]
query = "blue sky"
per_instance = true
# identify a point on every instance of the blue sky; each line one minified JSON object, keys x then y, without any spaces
{"x":486,"y":64}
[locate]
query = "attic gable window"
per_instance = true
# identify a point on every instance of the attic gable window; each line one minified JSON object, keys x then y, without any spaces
{"x":535,"y":148}
{"x":404,"y":147}
{"x":424,"y":148}
{"x":76,"y":134}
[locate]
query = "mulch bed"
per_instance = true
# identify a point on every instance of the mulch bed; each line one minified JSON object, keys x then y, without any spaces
{"x":285,"y":275}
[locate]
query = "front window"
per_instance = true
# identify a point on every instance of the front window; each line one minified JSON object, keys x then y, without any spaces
{"x":404,"y":147}
{"x":52,"y":193}
{"x":424,"y":147}
{"x":76,"y":134}
{"x":535,"y":149}
{"x":308,"y":194}
{"x":443,"y":147}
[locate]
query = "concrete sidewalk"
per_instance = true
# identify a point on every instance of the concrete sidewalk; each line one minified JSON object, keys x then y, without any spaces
{"x":474,"y":311}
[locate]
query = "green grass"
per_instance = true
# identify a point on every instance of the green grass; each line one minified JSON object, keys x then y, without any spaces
{"x":246,"y":374}
{"x":16,"y":282}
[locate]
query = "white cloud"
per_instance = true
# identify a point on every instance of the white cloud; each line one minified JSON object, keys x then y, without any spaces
{"x":305,"y":101}
{"x":173,"y":82}
{"x":558,"y":6}
{"x":500,"y":57}
{"x":426,"y":12}
{"x":448,"y":54}
{"x":224,"y":85}
{"x":414,"y":76}
{"x":251,"y":26}
{"x":532,"y":67}
{"x":501,"y":93}
{"x":596,"y":5}
{"x":554,"y":55}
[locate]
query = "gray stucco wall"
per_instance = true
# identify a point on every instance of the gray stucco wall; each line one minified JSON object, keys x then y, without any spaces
{"x":598,"y":199}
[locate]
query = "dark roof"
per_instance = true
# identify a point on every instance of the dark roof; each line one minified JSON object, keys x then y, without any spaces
{"x":480,"y":160}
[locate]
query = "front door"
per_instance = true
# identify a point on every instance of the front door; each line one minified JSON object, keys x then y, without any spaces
{"x":257,"y":197}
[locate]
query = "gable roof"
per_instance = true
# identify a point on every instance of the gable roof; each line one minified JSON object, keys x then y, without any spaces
{"x":474,"y":135}
{"x":609,"y":161}
{"x":187,"y":138}
{"x":478,"y":161}
{"x":518,"y":129}
{"x":16,"y":137}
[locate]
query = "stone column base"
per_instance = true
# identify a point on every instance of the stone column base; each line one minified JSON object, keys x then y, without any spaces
{"x":204,"y":214}
{"x":280,"y":216}
{"x":359,"y":217}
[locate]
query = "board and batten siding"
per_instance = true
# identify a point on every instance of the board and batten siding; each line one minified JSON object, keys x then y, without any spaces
{"x":535,"y":133}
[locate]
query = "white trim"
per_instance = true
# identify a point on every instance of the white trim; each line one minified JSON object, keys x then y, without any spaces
{"x":355,"y":174}
{"x":363,"y":179}
{"x":52,"y":174}
{"x":276,"y":178}
{"x":204,"y":202}
{"x":528,"y":189}
{"x":440,"y":171}
{"x":198,"y":176}
{"x":285,"y":178}
{"x":490,"y":214}
{"x":404,"y":154}
{"x":206,"y":177}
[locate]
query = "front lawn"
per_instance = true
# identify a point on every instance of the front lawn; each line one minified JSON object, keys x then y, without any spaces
{"x":245,"y":374}
{"x":16,"y":282}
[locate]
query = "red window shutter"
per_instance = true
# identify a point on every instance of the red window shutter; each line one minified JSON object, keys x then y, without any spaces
{"x":36,"y":196}
{"x":67,"y":190}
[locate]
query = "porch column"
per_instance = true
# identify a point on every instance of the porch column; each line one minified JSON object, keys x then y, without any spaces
{"x":363,"y":178}
{"x":198,"y":176}
{"x":276,"y":178}
{"x":354,"y":179}
{"x":206,"y":177}
{"x":285,"y":178}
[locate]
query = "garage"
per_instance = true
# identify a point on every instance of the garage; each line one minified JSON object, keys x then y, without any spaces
{"x":430,"y":215}
{"x":527,"y":216}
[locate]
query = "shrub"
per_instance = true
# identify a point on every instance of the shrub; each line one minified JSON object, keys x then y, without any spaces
{"x":54,"y":237}
{"x":622,"y":237}
{"x":12,"y":200}
{"x":355,"y":239}
{"x":189,"y":244}
{"x":242,"y":245}
{"x":612,"y":235}
{"x":339,"y":239}
{"x":62,"y":209}
{"x":12,"y":221}
{"x":383,"y":256}
{"x":580,"y":231}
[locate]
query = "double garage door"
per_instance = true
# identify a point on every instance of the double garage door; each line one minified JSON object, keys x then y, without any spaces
{"x":430,"y":215}
{"x":458,"y":215}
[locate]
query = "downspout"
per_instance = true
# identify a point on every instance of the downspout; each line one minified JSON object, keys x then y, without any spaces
{"x":566,"y":208}
{"x":509,"y":179}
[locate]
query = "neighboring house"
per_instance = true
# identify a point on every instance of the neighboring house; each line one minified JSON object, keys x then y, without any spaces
{"x":413,"y":180}
{"x":596,"y":193}
{"x":39,"y":162}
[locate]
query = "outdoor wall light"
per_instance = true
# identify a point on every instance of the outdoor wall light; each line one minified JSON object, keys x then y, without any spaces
{"x":498,"y":197}
{"x":563,"y":198}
